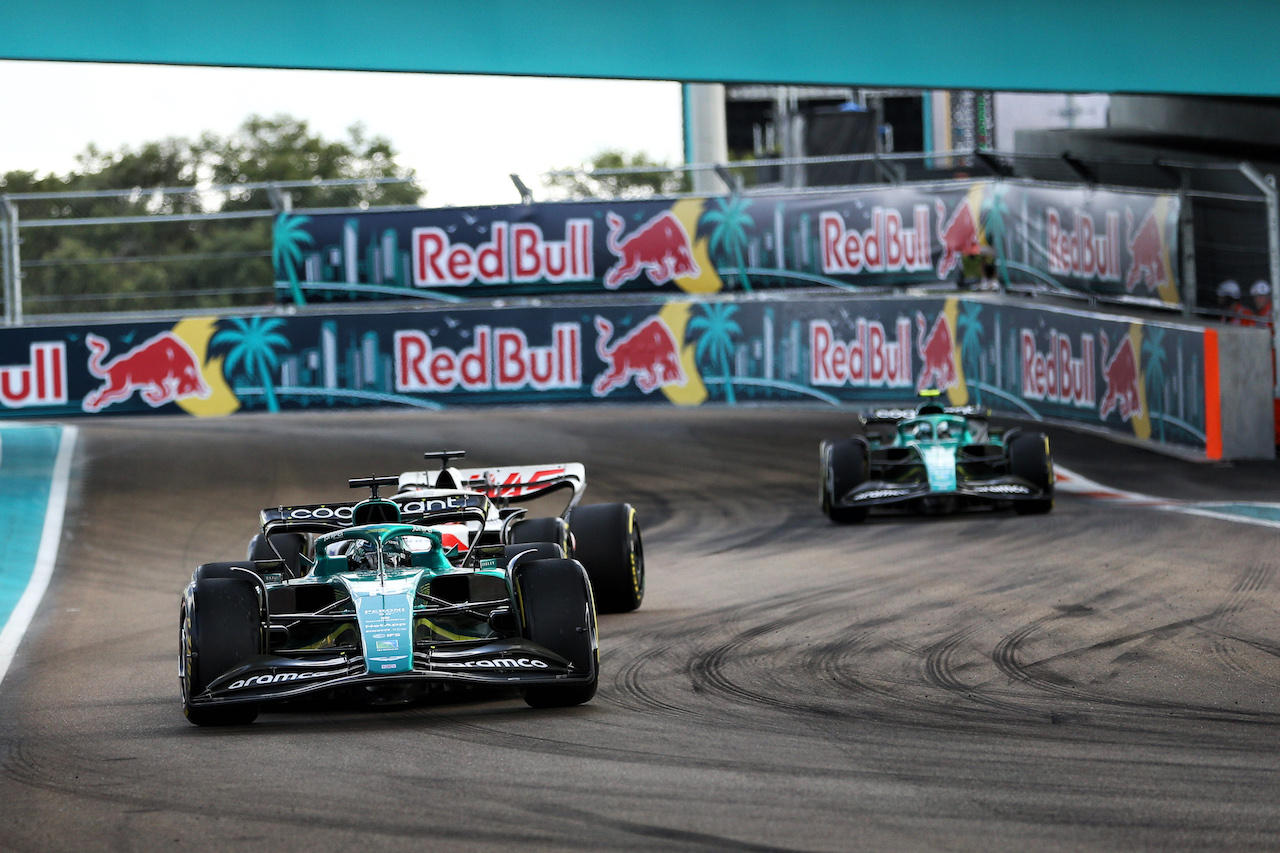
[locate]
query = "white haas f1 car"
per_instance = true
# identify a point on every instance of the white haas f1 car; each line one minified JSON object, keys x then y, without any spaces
{"x":934,"y":459}
{"x":386,"y":599}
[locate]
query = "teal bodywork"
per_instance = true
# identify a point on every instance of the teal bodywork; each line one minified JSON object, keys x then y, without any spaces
{"x":384,"y":569}
{"x":937,"y":438}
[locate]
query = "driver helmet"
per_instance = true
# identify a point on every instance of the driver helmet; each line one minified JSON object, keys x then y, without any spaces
{"x":362,"y":557}
{"x":944,"y":429}
{"x":922,"y":430}
{"x":394,"y":554}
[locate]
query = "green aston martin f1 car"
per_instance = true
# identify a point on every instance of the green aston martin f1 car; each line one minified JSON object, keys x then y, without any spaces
{"x":934,"y":459}
{"x":384,"y":600}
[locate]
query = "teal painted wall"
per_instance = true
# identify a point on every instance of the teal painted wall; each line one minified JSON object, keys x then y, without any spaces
{"x":1193,"y":46}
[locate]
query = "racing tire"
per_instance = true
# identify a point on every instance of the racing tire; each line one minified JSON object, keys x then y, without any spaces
{"x":606,"y":540}
{"x":558,"y":613}
{"x":540,"y":551}
{"x":844,"y":467}
{"x":221,"y":628}
{"x":1029,"y":460}
{"x":533,"y":530}
{"x":287,"y":546}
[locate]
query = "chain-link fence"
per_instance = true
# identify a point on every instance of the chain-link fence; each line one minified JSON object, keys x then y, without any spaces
{"x":206,"y":248}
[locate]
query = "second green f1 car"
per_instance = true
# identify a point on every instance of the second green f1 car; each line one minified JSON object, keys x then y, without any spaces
{"x":934,"y":459}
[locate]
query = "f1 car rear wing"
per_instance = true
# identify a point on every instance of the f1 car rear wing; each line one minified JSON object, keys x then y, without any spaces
{"x":513,"y":483}
{"x":891,"y":416}
{"x":324,"y":518}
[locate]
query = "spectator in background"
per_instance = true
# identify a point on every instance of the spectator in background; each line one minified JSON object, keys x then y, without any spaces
{"x":1260,"y":309}
{"x":1229,"y":306}
{"x":989,"y":280}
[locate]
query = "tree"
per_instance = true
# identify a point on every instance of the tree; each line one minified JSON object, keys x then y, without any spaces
{"x":1153,"y":350}
{"x":199,"y":264}
{"x":971,"y":332}
{"x":649,"y":178}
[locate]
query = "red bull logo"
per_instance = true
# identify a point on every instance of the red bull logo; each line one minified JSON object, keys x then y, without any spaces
{"x":938,"y":352}
{"x":887,"y":246}
{"x":499,"y":358}
{"x":1120,"y":373}
{"x":958,"y":237}
{"x":872,"y":359}
{"x":659,"y":248}
{"x":1146,"y":249}
{"x":648,"y":352}
{"x":163,"y":369}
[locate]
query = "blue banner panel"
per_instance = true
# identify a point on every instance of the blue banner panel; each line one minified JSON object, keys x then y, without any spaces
{"x":1118,"y":246}
{"x":1142,"y":379}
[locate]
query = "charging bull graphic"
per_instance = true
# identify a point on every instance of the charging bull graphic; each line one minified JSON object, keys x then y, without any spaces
{"x":938,"y":352}
{"x":1146,"y":248}
{"x":1120,"y":372}
{"x":648,"y":352}
{"x":163,"y":368}
{"x":958,"y":237}
{"x":660,"y":248}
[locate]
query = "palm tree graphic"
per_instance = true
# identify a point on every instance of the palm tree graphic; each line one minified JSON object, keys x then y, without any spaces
{"x":287,"y":241}
{"x":729,"y":232}
{"x":971,"y":331}
{"x":996,"y":228}
{"x":716,"y":339}
{"x":254,"y":343}
{"x":1153,"y":352}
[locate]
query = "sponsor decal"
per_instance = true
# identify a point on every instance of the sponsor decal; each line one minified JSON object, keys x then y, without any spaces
{"x":938,"y":352}
{"x":499,"y":359}
{"x":1081,"y":251}
{"x":958,"y":237}
{"x":871,"y":360}
{"x":648,"y":353}
{"x":659,"y":248}
{"x":1058,"y":376}
{"x":1120,"y":373}
{"x":887,"y":246}
{"x":1001,"y":489}
{"x":417,"y":506}
{"x":41,"y":381}
{"x":272,"y":679}
{"x":163,"y":368}
{"x":517,"y":253}
{"x":875,"y":494}
{"x":1147,"y":253}
{"x":508,"y":488}
{"x":495,"y":663}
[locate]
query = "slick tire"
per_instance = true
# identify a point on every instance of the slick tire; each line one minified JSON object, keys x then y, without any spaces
{"x":532,"y":551}
{"x":280,"y":546}
{"x":843,"y":464}
{"x":543,"y":530}
{"x":221,"y":628}
{"x":607,"y":542}
{"x":1029,"y":459}
{"x":557,"y":613}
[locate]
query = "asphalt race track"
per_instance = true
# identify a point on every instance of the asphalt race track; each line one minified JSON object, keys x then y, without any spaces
{"x":1102,"y":678}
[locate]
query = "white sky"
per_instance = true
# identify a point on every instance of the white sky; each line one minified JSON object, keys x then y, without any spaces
{"x":464,"y":134}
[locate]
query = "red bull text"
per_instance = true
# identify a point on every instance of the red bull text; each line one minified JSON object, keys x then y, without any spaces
{"x":886,"y":246}
{"x":1058,"y":376}
{"x":659,"y":249}
{"x":499,"y":359}
{"x":41,"y":381}
{"x":870,"y":360}
{"x":516,"y":253}
{"x":648,"y":353}
{"x":162,"y":368}
{"x":1082,"y":252}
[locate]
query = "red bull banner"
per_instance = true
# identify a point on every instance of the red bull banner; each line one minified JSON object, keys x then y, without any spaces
{"x":1120,"y":246}
{"x":1147,"y":380}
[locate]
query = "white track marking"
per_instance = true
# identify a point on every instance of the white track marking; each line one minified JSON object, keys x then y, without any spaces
{"x":1073,"y":483}
{"x":46,"y":557}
